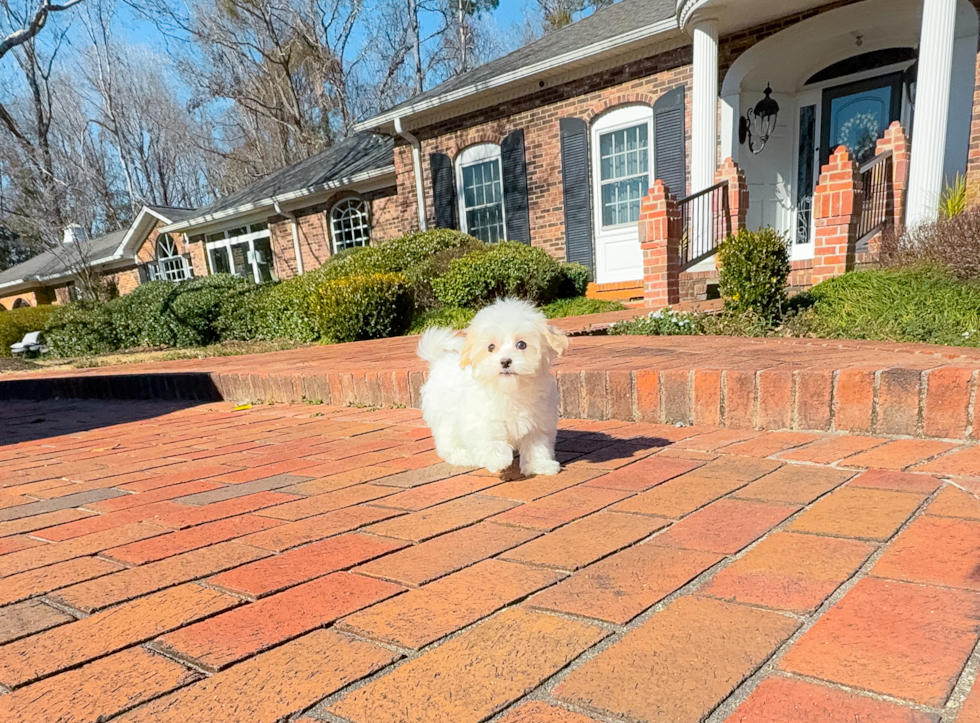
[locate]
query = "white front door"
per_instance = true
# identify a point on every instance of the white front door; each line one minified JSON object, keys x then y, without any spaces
{"x":622,"y":167}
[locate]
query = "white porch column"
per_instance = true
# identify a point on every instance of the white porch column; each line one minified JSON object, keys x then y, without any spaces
{"x":704,"y":105}
{"x":931,"y":110}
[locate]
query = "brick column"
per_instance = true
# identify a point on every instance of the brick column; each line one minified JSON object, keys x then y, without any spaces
{"x":836,"y":204}
{"x":897,"y":142}
{"x":738,"y":192}
{"x":660,"y":242}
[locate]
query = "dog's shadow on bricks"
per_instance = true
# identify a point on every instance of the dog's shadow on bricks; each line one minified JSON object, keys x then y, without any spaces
{"x":596,"y":448}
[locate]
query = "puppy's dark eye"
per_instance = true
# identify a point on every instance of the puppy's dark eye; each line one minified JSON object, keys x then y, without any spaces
{"x":492,"y":348}
{"x":521,"y":345}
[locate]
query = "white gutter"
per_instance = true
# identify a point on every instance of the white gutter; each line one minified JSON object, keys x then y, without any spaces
{"x":417,"y":167}
{"x":294,"y":225}
{"x":528,"y":71}
{"x":282,"y":198}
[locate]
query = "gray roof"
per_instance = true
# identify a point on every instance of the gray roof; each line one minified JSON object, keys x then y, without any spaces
{"x":58,"y":262}
{"x":606,"y":24}
{"x":173,"y":213}
{"x":358,"y":154}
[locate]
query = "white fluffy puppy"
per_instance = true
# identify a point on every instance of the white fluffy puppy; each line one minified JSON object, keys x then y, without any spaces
{"x":492,"y":392}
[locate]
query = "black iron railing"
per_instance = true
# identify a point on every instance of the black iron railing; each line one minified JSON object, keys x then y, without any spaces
{"x":876,"y":201}
{"x":703,"y":221}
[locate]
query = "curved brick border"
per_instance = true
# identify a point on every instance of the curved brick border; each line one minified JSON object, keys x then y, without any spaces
{"x":937,"y":403}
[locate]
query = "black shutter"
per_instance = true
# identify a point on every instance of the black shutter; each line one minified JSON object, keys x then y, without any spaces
{"x":515,"y":188}
{"x":443,"y":190}
{"x":575,"y":185}
{"x":668,"y":141}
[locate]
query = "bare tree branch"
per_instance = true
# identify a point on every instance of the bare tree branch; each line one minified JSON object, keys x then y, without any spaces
{"x":34,"y":26}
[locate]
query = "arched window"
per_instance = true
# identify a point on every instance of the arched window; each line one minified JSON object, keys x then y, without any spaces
{"x":21,"y":304}
{"x":349,"y":224}
{"x":481,"y":192}
{"x":168,"y":264}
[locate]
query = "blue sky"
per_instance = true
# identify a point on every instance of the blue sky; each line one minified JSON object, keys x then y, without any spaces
{"x":505,"y":25}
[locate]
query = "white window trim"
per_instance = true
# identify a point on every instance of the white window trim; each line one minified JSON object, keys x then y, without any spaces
{"x":158,"y":267}
{"x":228,"y":241}
{"x":616,"y":120}
{"x":367,"y":220}
{"x":472,"y":156}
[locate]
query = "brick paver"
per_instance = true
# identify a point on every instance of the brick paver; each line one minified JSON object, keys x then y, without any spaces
{"x":441,"y":607}
{"x":164,"y":562}
{"x":903,"y":640}
{"x":795,"y":701}
{"x":476,"y":674}
{"x":680,"y":664}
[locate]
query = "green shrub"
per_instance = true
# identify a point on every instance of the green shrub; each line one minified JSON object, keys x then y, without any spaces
{"x":754,"y":266}
{"x":195,"y":306}
{"x":139,"y":319}
{"x":423,"y":274}
{"x":505,"y":269}
{"x":82,"y":329}
{"x":284,"y":312}
{"x":575,"y":280}
{"x":241,"y":314}
{"x":17,"y":322}
{"x":176,"y":314}
{"x":449,"y":316}
{"x":579,"y":306}
{"x":396,"y":255}
{"x":910,"y":305}
{"x":355,"y":308}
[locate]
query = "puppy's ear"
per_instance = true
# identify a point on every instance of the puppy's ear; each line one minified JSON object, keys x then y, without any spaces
{"x":472,"y":351}
{"x":556,"y":339}
{"x":465,"y":354}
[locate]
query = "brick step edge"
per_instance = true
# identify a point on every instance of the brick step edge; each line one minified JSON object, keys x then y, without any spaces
{"x":937,"y":403}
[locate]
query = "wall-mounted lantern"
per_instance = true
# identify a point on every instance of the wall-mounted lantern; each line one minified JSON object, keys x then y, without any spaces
{"x":759,"y":123}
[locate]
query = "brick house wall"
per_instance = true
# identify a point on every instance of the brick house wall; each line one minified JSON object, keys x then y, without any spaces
{"x":314,"y":229}
{"x":32,"y":298}
{"x":643,"y":81}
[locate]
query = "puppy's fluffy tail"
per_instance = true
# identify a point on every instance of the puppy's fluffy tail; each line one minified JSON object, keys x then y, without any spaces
{"x":437,"y":342}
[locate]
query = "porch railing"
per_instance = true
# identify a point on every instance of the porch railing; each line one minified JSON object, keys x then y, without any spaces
{"x":875,"y":212}
{"x":703,"y":221}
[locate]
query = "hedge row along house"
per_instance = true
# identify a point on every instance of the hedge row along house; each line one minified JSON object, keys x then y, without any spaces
{"x":636,"y":139}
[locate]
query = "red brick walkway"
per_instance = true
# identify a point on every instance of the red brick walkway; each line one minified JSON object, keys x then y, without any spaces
{"x":167,"y":563}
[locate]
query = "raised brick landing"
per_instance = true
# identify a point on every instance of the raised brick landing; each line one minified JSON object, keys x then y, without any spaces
{"x":773,"y":384}
{"x":161,"y":564}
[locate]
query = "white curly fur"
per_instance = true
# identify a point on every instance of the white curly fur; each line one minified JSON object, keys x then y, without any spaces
{"x":492,"y":393}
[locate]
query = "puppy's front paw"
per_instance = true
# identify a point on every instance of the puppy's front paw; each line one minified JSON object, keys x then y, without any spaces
{"x":459,"y":459}
{"x":542,"y":467}
{"x":497,"y":458}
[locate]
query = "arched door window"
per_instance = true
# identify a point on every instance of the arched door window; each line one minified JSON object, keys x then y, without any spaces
{"x":349,"y":224}
{"x":168,"y":264}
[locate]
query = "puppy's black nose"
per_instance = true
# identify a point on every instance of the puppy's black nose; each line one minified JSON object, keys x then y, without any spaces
{"x":505,"y":363}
